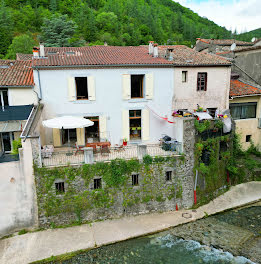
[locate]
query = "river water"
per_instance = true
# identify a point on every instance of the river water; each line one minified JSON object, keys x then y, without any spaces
{"x":166,"y":247}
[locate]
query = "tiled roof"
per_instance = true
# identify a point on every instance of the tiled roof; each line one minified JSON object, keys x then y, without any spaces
{"x":239,"y":88}
{"x":184,"y":56}
{"x":249,"y":48}
{"x":24,"y":57}
{"x":118,"y":55}
{"x":98,"y":55}
{"x":225,"y":42}
{"x":19,"y":112}
{"x":16,"y":73}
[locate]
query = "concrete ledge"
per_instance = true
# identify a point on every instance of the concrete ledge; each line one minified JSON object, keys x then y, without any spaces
{"x":39,"y":245}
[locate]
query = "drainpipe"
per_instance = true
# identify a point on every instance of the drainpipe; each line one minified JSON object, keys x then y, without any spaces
{"x":39,"y":80}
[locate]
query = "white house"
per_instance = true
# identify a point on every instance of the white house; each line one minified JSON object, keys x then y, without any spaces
{"x":16,"y":100}
{"x":129,"y":92}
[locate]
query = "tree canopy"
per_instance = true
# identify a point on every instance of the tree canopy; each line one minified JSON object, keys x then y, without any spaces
{"x":118,"y":22}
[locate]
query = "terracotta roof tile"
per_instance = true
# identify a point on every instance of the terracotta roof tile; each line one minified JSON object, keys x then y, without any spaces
{"x":119,"y":55}
{"x":24,"y":57}
{"x":16,"y":73}
{"x":249,"y":48}
{"x":226,"y":42}
{"x":239,"y":88}
{"x":185,"y":56}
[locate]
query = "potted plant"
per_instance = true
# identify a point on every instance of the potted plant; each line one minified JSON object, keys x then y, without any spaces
{"x":124,"y":143}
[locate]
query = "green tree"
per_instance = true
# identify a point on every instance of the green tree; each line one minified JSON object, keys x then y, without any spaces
{"x":6,"y":28}
{"x":20,"y":44}
{"x":59,"y":31}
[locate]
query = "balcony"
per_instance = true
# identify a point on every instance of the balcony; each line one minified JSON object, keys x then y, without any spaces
{"x":70,"y":156}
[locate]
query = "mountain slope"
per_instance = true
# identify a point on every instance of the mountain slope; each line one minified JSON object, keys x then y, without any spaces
{"x":118,"y":22}
{"x":249,"y":35}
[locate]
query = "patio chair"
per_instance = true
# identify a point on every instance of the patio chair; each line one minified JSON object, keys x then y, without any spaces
{"x":120,"y":146}
{"x":78,"y":149}
{"x":47,"y":151}
{"x":105,"y":150}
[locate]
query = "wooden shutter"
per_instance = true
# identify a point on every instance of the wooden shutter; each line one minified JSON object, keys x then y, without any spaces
{"x":80,"y":136}
{"x":57,"y":141}
{"x":103,"y":127}
{"x":71,"y":89}
{"x":126,"y":86}
{"x":145,"y":119}
{"x":91,"y":88}
{"x":149,"y":89}
{"x":125,"y":124}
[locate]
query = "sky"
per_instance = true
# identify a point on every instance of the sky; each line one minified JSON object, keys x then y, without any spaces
{"x":242,"y":15}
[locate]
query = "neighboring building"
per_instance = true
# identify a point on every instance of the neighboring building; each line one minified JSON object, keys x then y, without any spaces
{"x":245,"y":108}
{"x":16,"y":100}
{"x":129,"y":92}
{"x":199,"y":79}
{"x":247,"y":63}
{"x":219,"y":46}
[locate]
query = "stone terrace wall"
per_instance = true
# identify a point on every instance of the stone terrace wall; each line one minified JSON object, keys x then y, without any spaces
{"x":82,"y":203}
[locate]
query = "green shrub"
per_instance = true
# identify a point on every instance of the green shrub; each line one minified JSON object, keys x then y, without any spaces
{"x":16,"y":144}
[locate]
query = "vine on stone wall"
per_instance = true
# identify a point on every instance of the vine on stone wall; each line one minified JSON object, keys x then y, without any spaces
{"x":116,"y":179}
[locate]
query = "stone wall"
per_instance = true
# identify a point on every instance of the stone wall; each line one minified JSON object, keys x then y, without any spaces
{"x":153,"y":193}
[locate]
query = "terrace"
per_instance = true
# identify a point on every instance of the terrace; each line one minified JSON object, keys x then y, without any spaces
{"x":67,"y":155}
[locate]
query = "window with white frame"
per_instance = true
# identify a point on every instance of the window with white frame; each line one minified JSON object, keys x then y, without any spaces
{"x":3,"y":98}
{"x":81,"y":88}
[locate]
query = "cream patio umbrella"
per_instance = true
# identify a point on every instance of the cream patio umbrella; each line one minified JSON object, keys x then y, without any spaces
{"x":67,"y":122}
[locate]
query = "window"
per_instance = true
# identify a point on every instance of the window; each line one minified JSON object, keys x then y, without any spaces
{"x":212,"y":111}
{"x":248,"y":138}
{"x":81,"y":88}
{"x":202,"y":81}
{"x":135,"y":179}
{"x":168,"y":175}
{"x":243,"y":111}
{"x":137,"y":86}
{"x":59,"y":186}
{"x":97,"y":183}
{"x":3,"y":98}
{"x":184,"y":76}
{"x":135,"y":124}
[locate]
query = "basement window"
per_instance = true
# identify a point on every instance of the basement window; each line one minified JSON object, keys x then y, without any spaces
{"x":81,"y":88}
{"x":202,"y":81}
{"x":135,"y":179}
{"x":97,"y":183}
{"x":184,"y":76}
{"x":59,"y":186}
{"x":137,"y":86}
{"x":248,"y":138}
{"x":168,"y":175}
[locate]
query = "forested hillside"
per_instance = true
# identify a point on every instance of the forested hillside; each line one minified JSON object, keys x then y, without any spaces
{"x":249,"y":35}
{"x":118,"y":22}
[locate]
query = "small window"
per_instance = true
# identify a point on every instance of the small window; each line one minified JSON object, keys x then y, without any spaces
{"x":137,"y":86}
{"x":168,"y":175}
{"x":135,"y":179}
{"x":202,"y":81}
{"x":184,"y":76}
{"x":212,"y":111}
{"x":248,"y":138}
{"x":4,"y":98}
{"x":97,"y":183}
{"x":81,"y":88}
{"x":59,"y":186}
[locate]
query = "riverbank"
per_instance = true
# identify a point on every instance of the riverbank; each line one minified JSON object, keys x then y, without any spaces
{"x":40,"y":245}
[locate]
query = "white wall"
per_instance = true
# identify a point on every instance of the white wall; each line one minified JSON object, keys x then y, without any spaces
{"x":216,"y":96}
{"x":109,"y":101}
{"x":21,"y":96}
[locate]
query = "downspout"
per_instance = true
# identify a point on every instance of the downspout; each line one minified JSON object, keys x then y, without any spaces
{"x":40,"y":87}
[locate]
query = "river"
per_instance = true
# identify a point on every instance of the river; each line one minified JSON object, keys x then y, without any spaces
{"x":210,"y":240}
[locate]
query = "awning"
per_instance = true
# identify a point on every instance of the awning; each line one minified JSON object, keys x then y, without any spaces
{"x":12,"y":126}
{"x":203,"y":115}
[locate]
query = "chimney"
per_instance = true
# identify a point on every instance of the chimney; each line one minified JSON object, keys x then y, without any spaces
{"x":155,"y":51}
{"x":151,"y":47}
{"x":42,"y":50}
{"x":170,"y":54}
{"x":105,"y":44}
{"x":36,"y":52}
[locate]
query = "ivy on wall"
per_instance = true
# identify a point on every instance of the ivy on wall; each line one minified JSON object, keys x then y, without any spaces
{"x":116,"y":180}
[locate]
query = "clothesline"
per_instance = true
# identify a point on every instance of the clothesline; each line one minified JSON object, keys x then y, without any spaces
{"x":163,"y":118}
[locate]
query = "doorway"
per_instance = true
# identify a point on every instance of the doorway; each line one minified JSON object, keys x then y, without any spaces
{"x":69,"y":136}
{"x":92,"y":133}
{"x":135,"y":124}
{"x":7,"y":139}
